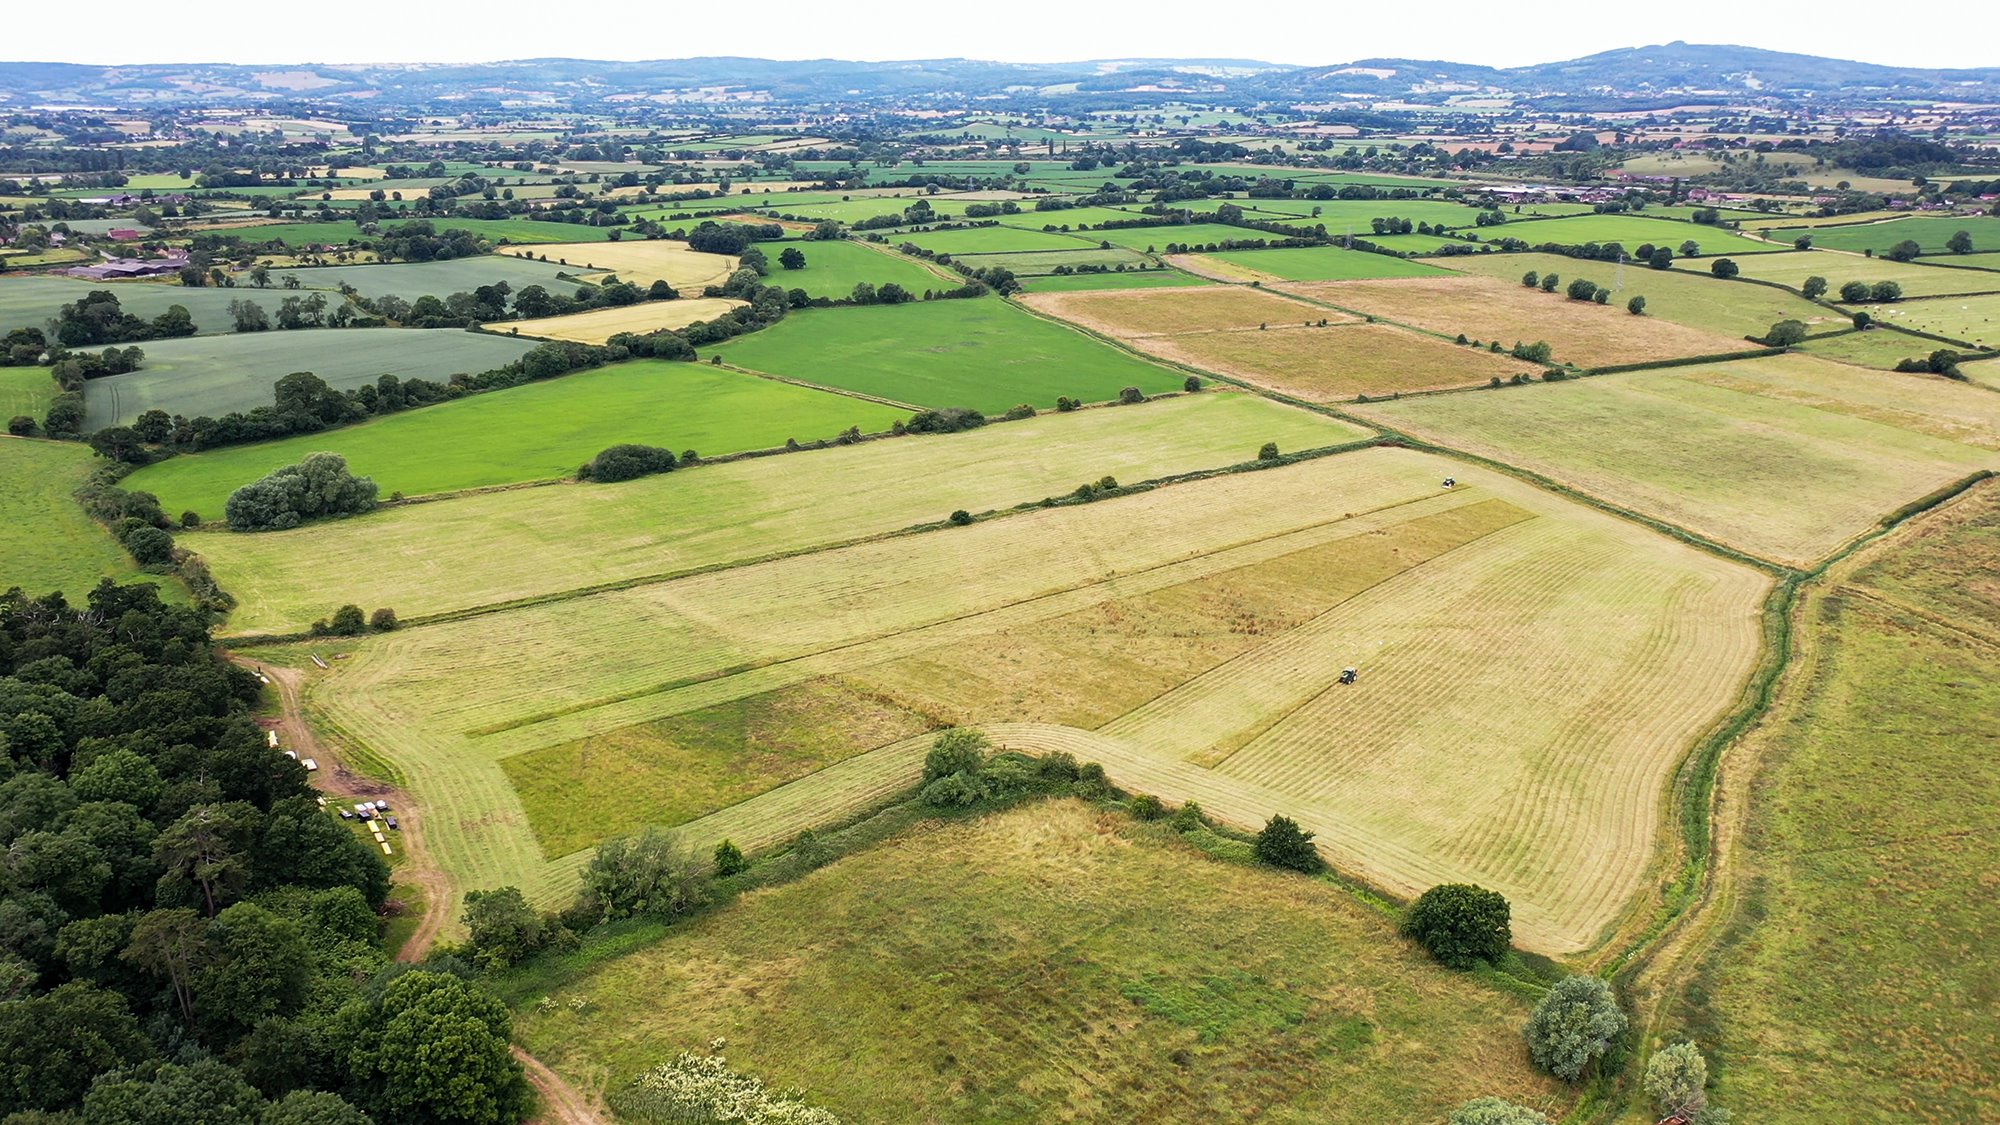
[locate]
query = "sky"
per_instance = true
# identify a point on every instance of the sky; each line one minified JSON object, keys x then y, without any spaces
{"x":1302,"y":32}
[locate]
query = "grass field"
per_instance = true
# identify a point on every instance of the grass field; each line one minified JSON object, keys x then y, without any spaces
{"x":26,"y":390}
{"x":1877,"y":348}
{"x":599,"y":325}
{"x":640,"y":262}
{"x":1044,"y":964}
{"x":1130,"y":279}
{"x":1198,"y":629}
{"x":833,"y":269}
{"x":1031,"y":263}
{"x":48,"y":542}
{"x":333,"y":233}
{"x":1488,"y":309}
{"x":1975,"y":320}
{"x":1692,"y":299}
{"x":994,"y":240}
{"x":1728,"y":451}
{"x":1852,"y":986}
{"x":410,"y":280}
{"x":215,"y":375}
{"x":985,"y":354}
{"x":1190,"y":234}
{"x":1132,"y":316}
{"x":1985,"y":372}
{"x":529,"y":231}
{"x":1632,"y":231}
{"x":31,"y":301}
{"x":1324,"y":264}
{"x":496,"y":547}
{"x":1793,"y":267}
{"x":1928,"y":231}
{"x":535,"y":432}
{"x":1338,"y":362}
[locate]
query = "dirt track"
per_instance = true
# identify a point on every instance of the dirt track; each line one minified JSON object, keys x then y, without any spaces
{"x":562,"y":1104}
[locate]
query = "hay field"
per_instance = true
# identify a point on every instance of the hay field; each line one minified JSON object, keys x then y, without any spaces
{"x":1486,"y":309}
{"x":1793,"y":267}
{"x":1869,"y":855}
{"x":1338,"y":362}
{"x":1133,"y":316}
{"x":1129,"y":279}
{"x":494,"y":547}
{"x":1975,"y":320}
{"x":47,"y":543}
{"x":1621,"y":645}
{"x":1785,"y":458}
{"x":639,"y":261}
{"x":972,"y":971}
{"x":1877,"y":348}
{"x":599,"y":325}
{"x":1691,"y":299}
{"x":1324,"y":263}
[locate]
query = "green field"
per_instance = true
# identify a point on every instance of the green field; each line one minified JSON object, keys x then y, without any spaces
{"x":46,"y":541}
{"x":410,"y":280}
{"x":1694,"y":298}
{"x":1729,"y":450}
{"x":1130,"y":279}
{"x":1793,"y":267}
{"x":1632,"y":231}
{"x":1928,"y":231}
{"x":993,"y":240}
{"x":1975,"y":320}
{"x":30,"y":301}
{"x":215,"y":375}
{"x":1878,"y":348}
{"x":518,"y":231}
{"x":1045,"y":964}
{"x":1035,"y":263}
{"x":535,"y":432}
{"x":26,"y":390}
{"x":502,"y":546}
{"x":303,"y":234}
{"x":833,"y":269}
{"x":986,"y":354}
{"x":1325,"y":263}
{"x":1153,"y":239}
{"x":1075,"y":218}
{"x":1868,"y":862}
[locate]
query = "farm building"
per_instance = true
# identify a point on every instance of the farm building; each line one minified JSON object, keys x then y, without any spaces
{"x":114,"y":268}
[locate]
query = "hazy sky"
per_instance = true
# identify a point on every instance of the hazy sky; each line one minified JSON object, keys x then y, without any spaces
{"x":1282,"y":31}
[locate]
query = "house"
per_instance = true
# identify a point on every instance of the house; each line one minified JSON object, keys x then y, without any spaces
{"x":126,"y":234}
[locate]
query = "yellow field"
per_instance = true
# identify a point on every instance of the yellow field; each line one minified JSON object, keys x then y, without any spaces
{"x":1487,"y":309}
{"x":1338,"y":362}
{"x":640,"y":261}
{"x":599,"y":325}
{"x":1135,"y":315}
{"x":1513,"y":646}
{"x":1785,"y":457}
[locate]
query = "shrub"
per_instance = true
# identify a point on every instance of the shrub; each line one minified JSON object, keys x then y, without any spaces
{"x":949,"y":420}
{"x":1065,"y":404}
{"x":1723,"y":268}
{"x":1283,"y":843}
{"x":317,"y":487}
{"x":1059,"y":766}
{"x":1146,"y":807}
{"x":1189,"y":817}
{"x":652,"y":874}
{"x":190,"y":519}
{"x":703,"y":1088}
{"x":1268,"y":451}
{"x":954,"y":791}
{"x":21,"y":425}
{"x":961,"y":517}
{"x":1019,"y":412}
{"x":1573,"y":1027}
{"x":1582,"y":290}
{"x":1530,"y":280}
{"x":1785,"y":333}
{"x":148,"y":546}
{"x":348,"y":622}
{"x":1549,"y":282}
{"x":729,"y":859}
{"x":627,"y":462}
{"x":1460,"y":924}
{"x":955,"y":750}
{"x":1904,"y":251}
{"x":1130,"y":395}
{"x":1677,"y":1078}
{"x":810,"y":851}
{"x":1090,"y":781}
{"x":1636,"y":306}
{"x":1854,"y":291}
{"x":383,"y":620}
{"x":1495,"y":1111}
{"x":1602,"y":297}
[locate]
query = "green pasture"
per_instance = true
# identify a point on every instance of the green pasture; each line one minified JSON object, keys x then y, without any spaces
{"x":536,"y":432}
{"x":1130,"y":279}
{"x":1192,"y":234}
{"x":1974,"y":320}
{"x":986,"y":354}
{"x":1792,"y":267}
{"x":993,"y":240}
{"x":1631,"y":231}
{"x":30,"y":301}
{"x":215,"y":375}
{"x":1326,"y":263}
{"x":1030,"y":263}
{"x":1412,"y":243}
{"x":833,"y":269}
{"x":532,"y":230}
{"x":26,"y":390}
{"x":301,"y":234}
{"x":1076,"y":218}
{"x":1692,"y":297}
{"x":1928,"y":231}
{"x":1878,"y":348}
{"x":46,"y":541}
{"x":410,"y":280}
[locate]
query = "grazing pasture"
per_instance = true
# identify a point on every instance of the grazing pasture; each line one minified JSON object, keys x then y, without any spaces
{"x":1877,"y":348}
{"x":598,"y":325}
{"x":640,"y":262}
{"x":30,"y":302}
{"x":1199,"y":628}
{"x":1324,"y":263}
{"x":410,"y":280}
{"x":985,"y":354}
{"x":1793,"y":267}
{"x":215,"y":375}
{"x":1693,"y":299}
{"x":534,"y":432}
{"x":26,"y":390}
{"x":531,"y":231}
{"x":1190,"y":234}
{"x":1786,"y":458}
{"x":1129,"y":279}
{"x":1632,"y":231}
{"x":1031,"y":263}
{"x":1488,"y":309}
{"x":1866,"y":860}
{"x":1974,"y":320}
{"x":47,"y":543}
{"x":833,"y":269}
{"x":496,"y":547}
{"x":1928,"y":231}
{"x":992,"y":240}
{"x":1289,"y":1001}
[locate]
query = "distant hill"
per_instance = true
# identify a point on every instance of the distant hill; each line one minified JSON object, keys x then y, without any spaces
{"x":1638,"y":76}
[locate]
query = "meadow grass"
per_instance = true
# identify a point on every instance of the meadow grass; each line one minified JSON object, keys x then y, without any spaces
{"x":1339,"y":361}
{"x":31,"y":301}
{"x":1692,"y":297}
{"x":1031,"y":263}
{"x":532,"y":232}
{"x":1129,"y":279}
{"x":994,"y":240}
{"x":26,"y":391}
{"x":48,"y":543}
{"x":985,"y":354}
{"x":1879,"y":349}
{"x":1975,"y":320}
{"x":1053,"y":962}
{"x":476,"y":550}
{"x":1793,"y":267}
{"x":1191,"y":234}
{"x":410,"y":280}
{"x":217,"y":375}
{"x":1786,"y":458}
{"x":1928,"y":231}
{"x":534,"y":432}
{"x":1632,"y":231}
{"x":834,"y":268}
{"x":1325,"y":263}
{"x":1851,"y":984}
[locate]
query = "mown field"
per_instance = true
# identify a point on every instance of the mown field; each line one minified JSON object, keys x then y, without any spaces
{"x":1053,"y":963}
{"x":1693,"y":299}
{"x":1853,"y":984}
{"x":833,"y":269}
{"x":1975,"y":320}
{"x":985,"y":354}
{"x":993,"y":240}
{"x":534,"y":432}
{"x":1338,"y":362}
{"x":1324,"y":264}
{"x":495,"y":547}
{"x":1785,"y":457}
{"x":1197,"y":629}
{"x":1632,"y":231}
{"x":216,"y":375}
{"x":1928,"y":231}
{"x":599,"y":325}
{"x":1793,"y":267}
{"x":640,"y":262}
{"x":46,"y":541}
{"x":1130,"y":279}
{"x":1486,"y":309}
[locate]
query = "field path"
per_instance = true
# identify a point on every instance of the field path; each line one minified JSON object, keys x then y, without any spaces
{"x":562,"y":1103}
{"x":335,"y":780}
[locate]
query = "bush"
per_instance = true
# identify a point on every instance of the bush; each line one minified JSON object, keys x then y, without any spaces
{"x":1090,"y":781}
{"x":1130,"y":395}
{"x":955,"y":750}
{"x":317,"y":487}
{"x":1636,"y":306}
{"x":1283,"y":843}
{"x":652,"y":874}
{"x":21,"y":425}
{"x":950,"y":420}
{"x":1530,"y":279}
{"x":383,"y":620}
{"x":1191,"y":384}
{"x":190,"y":519}
{"x":1189,"y":817}
{"x":1065,"y":404}
{"x":1573,"y":1027}
{"x":1854,"y":291}
{"x":729,"y":859}
{"x":1495,"y":1111}
{"x":1060,"y":766}
{"x":1785,"y":333}
{"x":954,"y":791}
{"x":348,"y":622}
{"x":1146,"y":807}
{"x":1677,"y":1078}
{"x":1549,"y":282}
{"x":1582,"y":290}
{"x":1460,"y":924}
{"x":1019,"y":412}
{"x":961,"y":517}
{"x":148,"y":546}
{"x":627,"y":462}
{"x":1268,"y":451}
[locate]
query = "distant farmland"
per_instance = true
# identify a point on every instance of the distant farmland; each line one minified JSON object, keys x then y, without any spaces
{"x":641,"y":262}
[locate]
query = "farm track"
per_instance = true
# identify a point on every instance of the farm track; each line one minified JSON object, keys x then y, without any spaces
{"x":562,"y":1104}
